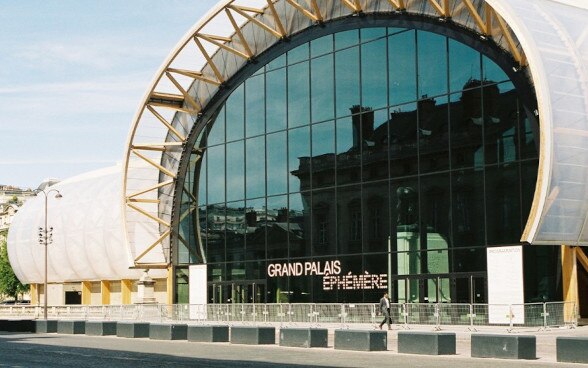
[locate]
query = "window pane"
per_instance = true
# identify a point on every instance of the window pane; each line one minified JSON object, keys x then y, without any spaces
{"x":323,"y":103}
{"x":373,"y":74}
{"x":324,"y":222}
{"x":368,"y":34}
{"x":435,"y":206}
{"x":255,"y":101}
{"x":255,"y":218}
{"x":321,"y":46}
{"x":215,"y":231}
{"x":235,"y":171}
{"x":377,"y":218}
{"x":466,"y":129}
{"x":298,"y":54}
{"x":216,"y":174}
{"x":503,"y":204}
{"x":277,"y":170}
{"x":468,"y":208}
{"x":235,"y":114}
{"x":433,"y":134}
{"x":298,"y":95}
{"x":346,"y":39}
{"x":299,"y":159}
{"x":348,"y":150}
{"x":492,"y":72}
{"x":276,"y":100}
{"x":323,"y":154}
{"x":277,"y":63}
{"x":402,"y":67}
{"x":235,"y":230}
{"x":216,"y":133}
{"x":432,"y":69}
{"x":464,"y":67}
{"x":500,"y":124}
{"x":349,"y":219}
{"x":277,"y":234}
{"x":403,"y":141}
{"x":299,"y":224}
{"x":255,"y":167}
{"x":347,"y":80}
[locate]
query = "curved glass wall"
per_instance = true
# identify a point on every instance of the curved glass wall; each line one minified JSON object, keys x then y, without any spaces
{"x":362,"y":159}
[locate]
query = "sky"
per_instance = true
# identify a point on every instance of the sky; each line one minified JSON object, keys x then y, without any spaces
{"x":72,"y":75}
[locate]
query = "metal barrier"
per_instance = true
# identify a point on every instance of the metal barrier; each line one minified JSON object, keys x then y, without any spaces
{"x":533,"y":315}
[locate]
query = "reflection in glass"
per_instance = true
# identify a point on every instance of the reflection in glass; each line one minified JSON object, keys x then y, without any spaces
{"x":298,"y":95}
{"x":277,"y":162}
{"x":235,"y":171}
{"x":255,"y":165}
{"x":464,"y":66}
{"x":321,"y":46}
{"x":402,"y":67}
{"x":323,"y":103}
{"x":235,"y":230}
{"x":324,"y":222}
{"x":432,"y":70}
{"x":299,"y":158}
{"x":278,"y":230}
{"x":347,"y":80}
{"x":216,"y":174}
{"x":299,"y":222}
{"x":276,"y":100}
{"x":216,"y":129}
{"x":255,"y":106}
{"x":235,"y":114}
{"x":256,"y":219}
{"x":374,"y":89}
{"x":323,"y":154}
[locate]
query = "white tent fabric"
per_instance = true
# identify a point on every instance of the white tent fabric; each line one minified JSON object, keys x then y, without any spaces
{"x":88,"y":236}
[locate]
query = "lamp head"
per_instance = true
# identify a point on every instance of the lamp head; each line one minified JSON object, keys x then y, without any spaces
{"x":58,"y":195}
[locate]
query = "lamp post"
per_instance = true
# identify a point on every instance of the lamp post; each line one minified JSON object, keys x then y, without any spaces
{"x":46,"y":238}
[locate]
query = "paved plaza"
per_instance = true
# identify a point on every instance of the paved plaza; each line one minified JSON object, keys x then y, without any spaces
{"x":55,"y":350}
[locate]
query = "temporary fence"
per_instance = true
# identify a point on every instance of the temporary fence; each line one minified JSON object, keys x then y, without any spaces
{"x":512,"y":316}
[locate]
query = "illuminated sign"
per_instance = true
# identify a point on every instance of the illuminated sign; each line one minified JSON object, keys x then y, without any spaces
{"x":331,"y":273}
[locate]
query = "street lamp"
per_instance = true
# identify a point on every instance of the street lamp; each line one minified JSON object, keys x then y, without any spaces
{"x":46,"y":238}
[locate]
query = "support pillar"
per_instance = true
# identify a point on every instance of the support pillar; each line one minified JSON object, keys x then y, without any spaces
{"x":570,"y":281}
{"x":126,"y":286}
{"x":34,"y":294}
{"x":170,"y":285}
{"x":86,"y":292}
{"x":105,"y":292}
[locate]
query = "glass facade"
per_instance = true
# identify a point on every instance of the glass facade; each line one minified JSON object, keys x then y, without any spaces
{"x":361,"y":160}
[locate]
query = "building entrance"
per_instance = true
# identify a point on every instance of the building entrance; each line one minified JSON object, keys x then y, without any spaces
{"x":470,"y":288}
{"x":237,"y":292}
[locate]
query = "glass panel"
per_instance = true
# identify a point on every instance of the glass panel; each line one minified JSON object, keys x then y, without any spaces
{"x":349,"y":219}
{"x":255,"y":219}
{"x":528,"y":134}
{"x":216,"y":133}
{"x":199,"y":180}
{"x":469,"y":260}
{"x":464,"y":67}
{"x":277,"y":227}
{"x":215,"y":233}
{"x":324,"y":222}
{"x":298,"y":54}
{"x":348,"y":150}
{"x":503,"y":204}
{"x":299,"y":220}
{"x":298,"y":95}
{"x":321,"y":46}
{"x":467,"y":195}
{"x":347,"y":80}
{"x":403,"y":141}
{"x":299,"y":158}
{"x":492,"y":72}
{"x":375,"y":148}
{"x":235,"y":171}
{"x":404,"y":208}
{"x":368,"y":34}
{"x":322,"y":88}
{"x":373,"y":74}
{"x":433,"y":134}
{"x":346,"y":39}
{"x":500,"y":124}
{"x":466,"y":129}
{"x":323,"y":154}
{"x":432,"y":74}
{"x":277,"y":160}
{"x":276,"y":100}
{"x":235,"y":232}
{"x":376,"y":227}
{"x":236,"y":114}
{"x":277,"y":63}
{"x":402,"y":68}
{"x":216,"y":174}
{"x":255,"y":101}
{"x":435,"y":218}
{"x":255,"y":178}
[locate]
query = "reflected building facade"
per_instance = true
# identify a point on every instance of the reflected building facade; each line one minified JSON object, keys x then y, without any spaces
{"x":365,"y":159}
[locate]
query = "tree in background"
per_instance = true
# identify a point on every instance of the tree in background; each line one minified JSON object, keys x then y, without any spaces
{"x":9,"y":284}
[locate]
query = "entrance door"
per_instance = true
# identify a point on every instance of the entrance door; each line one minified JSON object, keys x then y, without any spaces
{"x":238,"y":292}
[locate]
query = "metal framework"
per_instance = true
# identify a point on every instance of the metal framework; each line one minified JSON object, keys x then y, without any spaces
{"x":226,"y":39}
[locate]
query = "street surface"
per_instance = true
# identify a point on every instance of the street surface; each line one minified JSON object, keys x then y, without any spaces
{"x":54,"y":350}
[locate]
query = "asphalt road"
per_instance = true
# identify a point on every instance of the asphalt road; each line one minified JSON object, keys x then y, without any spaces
{"x":52,"y":350}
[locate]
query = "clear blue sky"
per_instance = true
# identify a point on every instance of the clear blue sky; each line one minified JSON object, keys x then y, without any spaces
{"x":72,"y":74}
